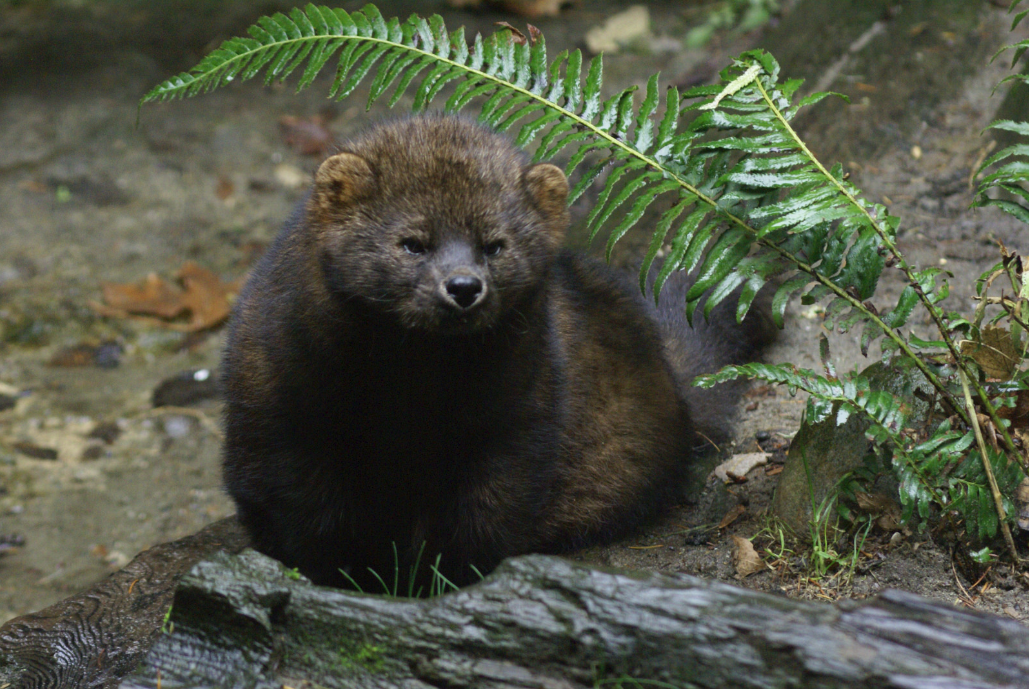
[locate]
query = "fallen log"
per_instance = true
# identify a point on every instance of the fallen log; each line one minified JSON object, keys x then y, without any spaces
{"x":244,"y":620}
{"x":94,"y":638}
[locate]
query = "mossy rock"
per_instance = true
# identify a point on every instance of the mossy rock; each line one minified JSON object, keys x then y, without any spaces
{"x":822,"y":453}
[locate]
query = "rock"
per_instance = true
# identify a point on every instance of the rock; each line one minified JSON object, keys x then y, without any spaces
{"x":185,"y":388}
{"x":821,"y":453}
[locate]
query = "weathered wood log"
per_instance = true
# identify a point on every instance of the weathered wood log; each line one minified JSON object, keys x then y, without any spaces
{"x":94,"y":638}
{"x":242,"y":621}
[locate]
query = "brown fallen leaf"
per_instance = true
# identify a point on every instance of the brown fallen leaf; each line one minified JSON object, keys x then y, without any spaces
{"x":204,"y":300}
{"x":1019,"y":414}
{"x":224,"y":188}
{"x":153,"y":297}
{"x":104,"y":355}
{"x":205,"y":296}
{"x":745,"y":558}
{"x":732,"y":515}
{"x":74,"y":356}
{"x":886,"y":510}
{"x":995,"y":352}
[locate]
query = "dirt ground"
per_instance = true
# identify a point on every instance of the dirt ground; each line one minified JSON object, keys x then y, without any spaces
{"x":88,"y":197}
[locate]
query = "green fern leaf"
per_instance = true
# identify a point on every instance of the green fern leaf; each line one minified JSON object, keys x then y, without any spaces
{"x":744,"y":199}
{"x":684,"y":238}
{"x":660,"y":233}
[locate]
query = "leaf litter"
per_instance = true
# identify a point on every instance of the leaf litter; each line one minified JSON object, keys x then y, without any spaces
{"x":203,"y":300}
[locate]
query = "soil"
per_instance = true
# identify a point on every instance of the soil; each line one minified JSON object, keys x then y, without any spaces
{"x":89,"y":197}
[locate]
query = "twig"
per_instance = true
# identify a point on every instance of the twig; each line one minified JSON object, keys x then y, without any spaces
{"x":968,"y":600}
{"x":998,"y":500}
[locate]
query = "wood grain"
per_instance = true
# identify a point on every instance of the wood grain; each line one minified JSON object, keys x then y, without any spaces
{"x":96,"y":637}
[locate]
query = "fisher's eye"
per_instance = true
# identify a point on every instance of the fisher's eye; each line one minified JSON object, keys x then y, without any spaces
{"x":413,"y":246}
{"x":493,"y":248}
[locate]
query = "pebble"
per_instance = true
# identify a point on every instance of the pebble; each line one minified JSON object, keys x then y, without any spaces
{"x":185,"y":388}
{"x":177,"y":426}
{"x":290,"y":176}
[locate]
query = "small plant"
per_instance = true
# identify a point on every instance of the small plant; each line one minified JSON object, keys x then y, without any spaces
{"x":741,"y":201}
{"x":167,"y":626}
{"x":826,"y":535}
{"x":438,"y":583}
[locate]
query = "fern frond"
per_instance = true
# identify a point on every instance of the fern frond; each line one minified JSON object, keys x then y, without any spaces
{"x":741,"y":198}
{"x":1012,"y":177}
{"x":935,"y":471}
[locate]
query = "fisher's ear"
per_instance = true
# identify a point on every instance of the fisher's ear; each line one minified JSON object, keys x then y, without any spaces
{"x":548,"y":189}
{"x":341,"y":180}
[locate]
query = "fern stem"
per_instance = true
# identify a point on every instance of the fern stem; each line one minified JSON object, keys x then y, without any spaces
{"x":904,"y":266}
{"x":991,"y":412}
{"x":998,"y":500}
{"x":857,"y":304}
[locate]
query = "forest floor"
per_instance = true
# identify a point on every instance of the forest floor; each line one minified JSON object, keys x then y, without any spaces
{"x":91,"y":473}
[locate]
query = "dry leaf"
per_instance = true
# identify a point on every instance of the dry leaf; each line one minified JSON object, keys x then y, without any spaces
{"x":745,"y":558}
{"x":873,"y":502}
{"x":153,"y":297}
{"x":204,"y":298}
{"x":886,"y":508}
{"x":104,"y":355}
{"x":517,"y":36}
{"x":74,"y":356}
{"x":732,"y":515}
{"x":1019,"y":414}
{"x":995,"y":353}
{"x":224,"y":188}
{"x":619,"y":29}
{"x":739,"y":465}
